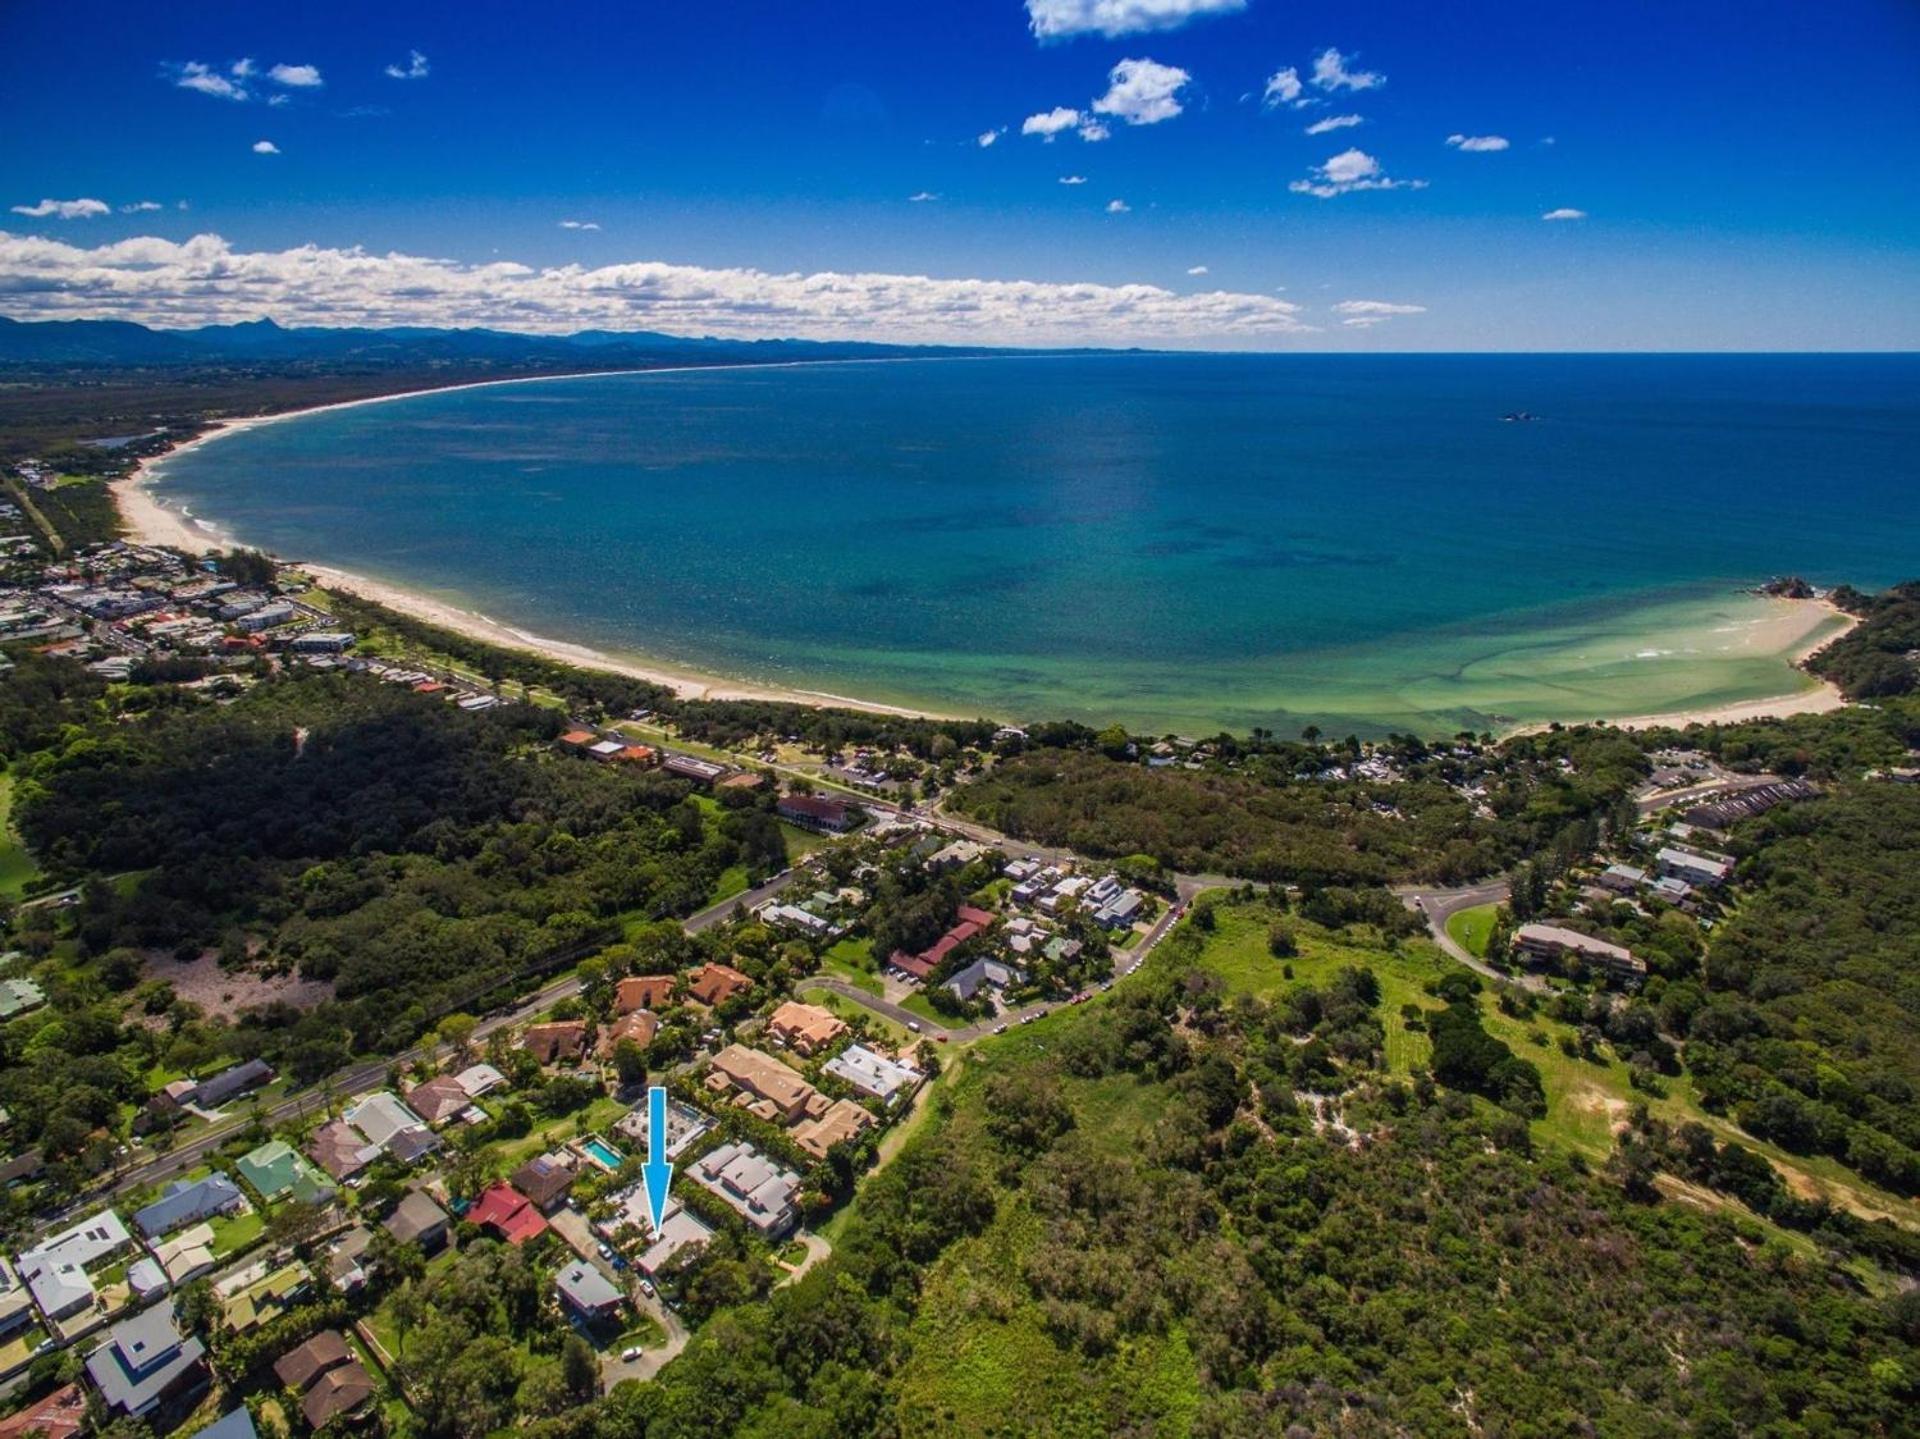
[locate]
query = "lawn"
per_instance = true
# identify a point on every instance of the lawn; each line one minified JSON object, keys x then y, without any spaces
{"x":847,"y":1009}
{"x":646,"y":1332}
{"x":510,"y":1154}
{"x":852,"y":960}
{"x":733,"y":880}
{"x":235,"y":1232}
{"x":802,"y":842}
{"x":1470,"y":928}
{"x":17,"y":869}
{"x":919,"y":1005}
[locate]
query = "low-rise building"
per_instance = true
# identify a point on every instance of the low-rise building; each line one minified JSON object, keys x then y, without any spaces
{"x":558,"y":1042}
{"x":843,"y":1120}
{"x":806,"y":1029}
{"x":700,"y":771}
{"x":589,"y":1292}
{"x":639,"y":1026}
{"x":146,"y":1362}
{"x":1550,"y":943}
{"x":873,"y":1074}
{"x":186,"y":1201}
{"x":776,"y":1092}
{"x":1622,"y":878}
{"x":643,"y":991}
{"x":817,"y":813}
{"x":759,"y":1190}
{"x":416,"y":1219}
{"x":714,"y":984}
{"x":1701,"y":871}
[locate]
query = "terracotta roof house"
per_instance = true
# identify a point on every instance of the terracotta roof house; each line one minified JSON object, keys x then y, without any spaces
{"x":564,"y":1039}
{"x":441,"y":1098}
{"x":578,"y":739}
{"x":715,"y":984}
{"x":843,"y":1121}
{"x":968,"y":921}
{"x":545,"y":1179}
{"x":765,"y":1078}
{"x":298,"y":1368}
{"x":640,"y":1026}
{"x":341,"y":1150}
{"x":643,"y":991}
{"x":61,"y":1415}
{"x":508,"y":1213}
{"x":806,"y":1029}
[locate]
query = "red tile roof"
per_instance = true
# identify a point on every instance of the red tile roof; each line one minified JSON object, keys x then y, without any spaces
{"x":717,"y":983}
{"x":643,"y":991}
{"x":60,"y":1415}
{"x":509,"y":1213}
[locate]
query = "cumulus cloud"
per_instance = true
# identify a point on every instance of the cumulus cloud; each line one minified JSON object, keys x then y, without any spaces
{"x":203,"y":78}
{"x":1059,"y":19}
{"x":1196,"y":269}
{"x":414,"y":69}
{"x":987,"y":137}
{"x":1283,"y":88}
{"x":265,"y":147}
{"x":922,"y":197}
{"x":1478,"y":144}
{"x":1565,"y":214}
{"x":299,"y":77}
{"x":1362,"y":314}
{"x":1118,"y":207}
{"x":1142,"y":92}
{"x":579,"y":224}
{"x":139,"y":207}
{"x":1348,"y":171}
{"x":81,"y":209}
{"x":205,"y":280}
{"x":1330,"y":73}
{"x":1073,"y":179}
{"x":1335,"y":122}
{"x":1093,"y":131}
{"x":1049,"y":123}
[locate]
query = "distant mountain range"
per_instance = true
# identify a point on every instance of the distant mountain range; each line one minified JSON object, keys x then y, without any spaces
{"x":121,"y":342}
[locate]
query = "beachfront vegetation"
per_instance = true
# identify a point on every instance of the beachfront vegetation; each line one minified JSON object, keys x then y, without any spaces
{"x":1876,"y":657}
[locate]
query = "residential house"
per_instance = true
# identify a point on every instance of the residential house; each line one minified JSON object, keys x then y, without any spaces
{"x":843,"y":1120}
{"x":968,"y":982}
{"x":55,"y":1270}
{"x":146,"y":1362}
{"x":873,"y":1074}
{"x":16,"y":1304}
{"x":328,"y":1376}
{"x":20,"y":996}
{"x":236,"y":1423}
{"x":588,"y":1291}
{"x":545,"y":1179}
{"x":639,"y":1025}
{"x":561,"y":1041}
{"x":439,"y":1099}
{"x":341,"y":1150}
{"x":229,"y":1083}
{"x":480,"y":1079}
{"x":187,"y":1201}
{"x":806,"y":1029}
{"x":416,"y":1219}
{"x":277,"y":1171}
{"x":345,"y":1258}
{"x":714,"y":984}
{"x":759,"y":1190}
{"x":684,"y":1125}
{"x":508,"y":1213}
{"x":643,"y":991}
{"x":267,"y":1298}
{"x":1622,"y":878}
{"x":185,"y":1256}
{"x":59,"y":1415}
{"x":392,"y":1128}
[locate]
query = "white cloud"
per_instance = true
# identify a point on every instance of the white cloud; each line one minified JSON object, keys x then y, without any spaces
{"x":245,"y":69}
{"x":1565,"y":214}
{"x":1118,"y":207}
{"x":1196,"y":269}
{"x":1348,"y":171}
{"x":987,"y":137}
{"x":1049,"y":123}
{"x":1335,"y":122}
{"x":1142,"y":92}
{"x":299,"y":77}
{"x":1478,"y":144}
{"x":194,"y":75}
{"x":139,"y":207}
{"x":205,"y":280}
{"x":1073,"y":179}
{"x":579,"y":224}
{"x":1057,"y":19}
{"x":278,"y":100}
{"x":1093,"y":131}
{"x":414,"y":69}
{"x":1283,"y":88}
{"x":81,"y":209}
{"x":923,"y":197}
{"x":265,"y":147}
{"x":1330,"y":73}
{"x":1371,"y":310}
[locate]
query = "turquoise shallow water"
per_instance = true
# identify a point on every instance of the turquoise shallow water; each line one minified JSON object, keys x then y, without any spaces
{"x":1173,"y":541}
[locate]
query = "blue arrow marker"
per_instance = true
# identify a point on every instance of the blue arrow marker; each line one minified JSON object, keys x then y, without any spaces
{"x":659,"y":1173}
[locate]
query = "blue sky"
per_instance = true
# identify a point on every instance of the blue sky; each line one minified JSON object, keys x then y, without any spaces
{"x":1744,"y":173}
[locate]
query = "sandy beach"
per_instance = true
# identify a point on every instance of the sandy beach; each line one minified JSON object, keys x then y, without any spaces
{"x":1798,"y":628}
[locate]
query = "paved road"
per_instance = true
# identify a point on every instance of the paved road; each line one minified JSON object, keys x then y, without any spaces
{"x":1696,"y":794}
{"x":1440,"y":905}
{"x":725,"y":910}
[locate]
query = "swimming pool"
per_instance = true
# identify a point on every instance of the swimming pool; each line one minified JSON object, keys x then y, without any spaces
{"x":603,"y":1152}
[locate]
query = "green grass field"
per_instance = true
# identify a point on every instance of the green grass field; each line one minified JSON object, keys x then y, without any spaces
{"x":233,"y":1233}
{"x":17,"y":869}
{"x":852,"y":960}
{"x":1470,"y":928}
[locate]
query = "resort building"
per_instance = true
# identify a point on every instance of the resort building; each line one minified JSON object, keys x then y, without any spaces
{"x":806,"y":1029}
{"x":562,"y":1041}
{"x":843,"y":1120}
{"x":761,"y":1191}
{"x":873,"y":1074}
{"x":639,"y":1026}
{"x":766,"y":1087}
{"x":1550,"y":943}
{"x":684,"y":1125}
{"x":714,"y":984}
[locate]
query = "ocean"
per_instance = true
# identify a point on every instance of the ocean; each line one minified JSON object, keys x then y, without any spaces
{"x":1178,"y":542}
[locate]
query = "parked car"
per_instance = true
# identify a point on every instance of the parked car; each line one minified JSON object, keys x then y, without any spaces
{"x":913,"y":1025}
{"x":630,"y":1353}
{"x":646,"y":1288}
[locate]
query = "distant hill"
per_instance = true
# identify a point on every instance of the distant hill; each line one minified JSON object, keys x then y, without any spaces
{"x":121,"y":343}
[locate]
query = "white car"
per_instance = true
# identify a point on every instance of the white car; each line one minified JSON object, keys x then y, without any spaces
{"x":630,"y":1353}
{"x":914,"y":1025}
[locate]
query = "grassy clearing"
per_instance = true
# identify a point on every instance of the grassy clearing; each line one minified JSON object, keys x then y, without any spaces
{"x":17,"y":869}
{"x":1470,"y":928}
{"x":235,"y":1232}
{"x":733,"y":880}
{"x":852,"y":960}
{"x":802,"y":842}
{"x":917,"y":1004}
{"x":510,"y":1154}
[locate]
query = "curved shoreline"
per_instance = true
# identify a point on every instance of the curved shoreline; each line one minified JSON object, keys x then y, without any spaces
{"x":149,"y":521}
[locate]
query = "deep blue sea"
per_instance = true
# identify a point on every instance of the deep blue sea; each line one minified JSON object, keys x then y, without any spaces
{"x":1179,"y":542}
